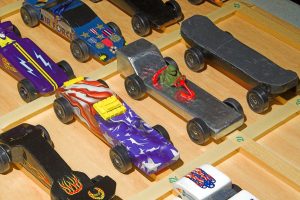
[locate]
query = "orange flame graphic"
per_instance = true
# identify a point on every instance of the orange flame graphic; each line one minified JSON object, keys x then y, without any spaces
{"x":71,"y":185}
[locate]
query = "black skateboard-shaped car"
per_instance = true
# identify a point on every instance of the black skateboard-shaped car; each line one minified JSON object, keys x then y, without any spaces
{"x":32,"y":147}
{"x":220,"y":49}
{"x":148,"y":14}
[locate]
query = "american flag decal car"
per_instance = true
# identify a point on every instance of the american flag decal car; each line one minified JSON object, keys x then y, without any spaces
{"x":201,"y":178}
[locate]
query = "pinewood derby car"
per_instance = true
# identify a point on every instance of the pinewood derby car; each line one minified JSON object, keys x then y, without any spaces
{"x":220,"y":49}
{"x":31,"y":147}
{"x":148,"y":14}
{"x":132,"y":141}
{"x":208,"y":183}
{"x":146,"y":71}
{"x":35,"y":72}
{"x":79,"y":24}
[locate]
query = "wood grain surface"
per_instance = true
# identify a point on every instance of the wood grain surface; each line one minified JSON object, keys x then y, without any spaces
{"x":84,"y":152}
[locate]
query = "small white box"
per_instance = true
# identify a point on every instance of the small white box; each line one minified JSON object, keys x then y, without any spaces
{"x":243,"y":195}
{"x":203,"y":183}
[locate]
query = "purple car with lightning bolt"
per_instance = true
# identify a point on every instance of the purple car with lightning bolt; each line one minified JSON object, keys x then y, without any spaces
{"x":35,"y":72}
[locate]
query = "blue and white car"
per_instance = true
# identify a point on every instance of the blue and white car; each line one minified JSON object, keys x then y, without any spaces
{"x":78,"y":23}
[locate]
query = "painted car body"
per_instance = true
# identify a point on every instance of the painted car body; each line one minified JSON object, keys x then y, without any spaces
{"x":73,"y":19}
{"x":22,"y":58}
{"x":149,"y":151}
{"x":208,"y":183}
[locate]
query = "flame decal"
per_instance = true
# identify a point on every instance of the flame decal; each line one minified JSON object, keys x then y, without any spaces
{"x":99,"y":195}
{"x":71,"y":185}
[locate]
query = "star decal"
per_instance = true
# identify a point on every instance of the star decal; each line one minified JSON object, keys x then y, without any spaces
{"x":85,"y":35}
{"x":150,"y":165}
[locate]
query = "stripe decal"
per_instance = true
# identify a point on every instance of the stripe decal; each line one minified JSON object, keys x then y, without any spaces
{"x":36,"y":66}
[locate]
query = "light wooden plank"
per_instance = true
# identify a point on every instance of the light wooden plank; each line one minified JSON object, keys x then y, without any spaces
{"x":275,"y":164}
{"x":270,"y":26}
{"x":10,"y":9}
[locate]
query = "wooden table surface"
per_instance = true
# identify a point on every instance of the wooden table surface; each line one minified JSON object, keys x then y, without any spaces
{"x":84,"y":152}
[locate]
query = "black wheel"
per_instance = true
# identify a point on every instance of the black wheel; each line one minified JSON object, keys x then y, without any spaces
{"x":29,"y":16}
{"x":196,"y":2}
{"x":115,"y":28}
{"x":170,"y":61}
{"x":235,"y":105}
{"x":66,"y":67}
{"x":194,"y":59}
{"x":161,"y":130}
{"x":27,"y":91}
{"x":63,"y":110}
{"x":97,"y":179}
{"x":103,"y":82}
{"x":135,"y":86}
{"x":141,"y":25}
{"x":80,"y":50}
{"x":175,"y":7}
{"x":258,"y":99}
{"x":17,"y":31}
{"x":120,"y":159}
{"x":4,"y":160}
{"x":45,"y":135}
{"x":198,"y":131}
{"x":236,"y":188}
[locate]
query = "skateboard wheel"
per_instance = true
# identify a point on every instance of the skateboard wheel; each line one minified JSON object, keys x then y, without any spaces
{"x":198,"y":131}
{"x":258,"y":99}
{"x":27,"y":91}
{"x":194,"y":59}
{"x":120,"y":159}
{"x":175,"y":7}
{"x":135,"y":86}
{"x":29,"y":16}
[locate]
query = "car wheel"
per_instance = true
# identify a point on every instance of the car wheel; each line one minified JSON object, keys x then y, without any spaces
{"x":175,"y":7}
{"x":103,"y":82}
{"x":120,"y":159}
{"x":27,"y":91}
{"x":196,"y":2}
{"x":135,"y":86}
{"x":45,"y":135}
{"x":194,"y":59}
{"x":80,"y":50}
{"x":115,"y":28}
{"x":141,"y":25}
{"x":63,"y":110}
{"x":198,"y":131}
{"x":66,"y":67}
{"x":161,"y":130}
{"x":4,"y":160}
{"x":170,"y":61}
{"x":258,"y":99}
{"x":17,"y":31}
{"x":29,"y":16}
{"x":232,"y":103}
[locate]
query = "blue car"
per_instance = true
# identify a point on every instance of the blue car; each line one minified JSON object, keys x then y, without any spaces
{"x":78,"y":23}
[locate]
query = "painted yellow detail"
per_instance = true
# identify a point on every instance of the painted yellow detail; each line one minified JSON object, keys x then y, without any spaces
{"x":73,"y":81}
{"x":6,"y":41}
{"x":7,"y":65}
{"x":102,"y":57}
{"x":109,"y":107}
{"x":36,"y":65}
